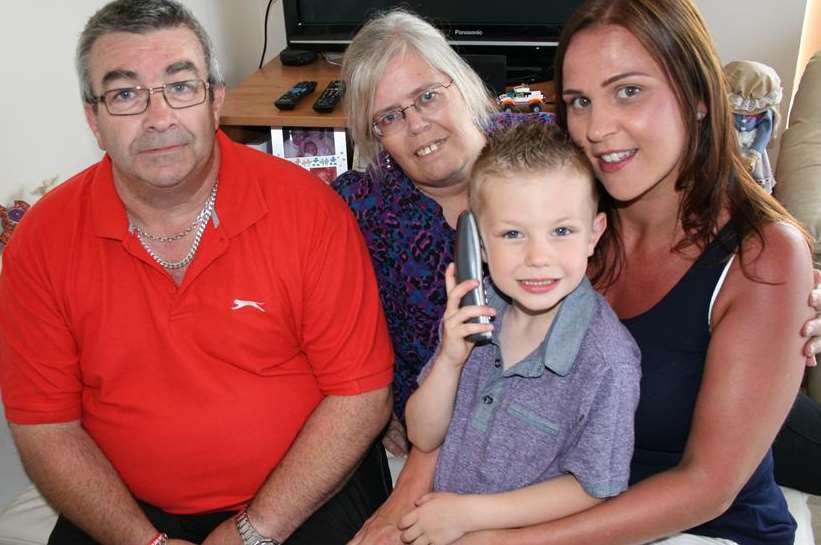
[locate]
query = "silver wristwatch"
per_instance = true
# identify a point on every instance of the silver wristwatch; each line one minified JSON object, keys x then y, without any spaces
{"x":248,"y":533}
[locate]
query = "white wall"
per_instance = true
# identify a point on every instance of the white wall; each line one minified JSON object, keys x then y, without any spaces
{"x":41,"y":118}
{"x":44,"y":133}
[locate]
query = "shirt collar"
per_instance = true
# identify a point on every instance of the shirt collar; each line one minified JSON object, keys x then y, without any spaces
{"x":561,"y":345}
{"x":107,"y":210}
{"x":240,"y":202}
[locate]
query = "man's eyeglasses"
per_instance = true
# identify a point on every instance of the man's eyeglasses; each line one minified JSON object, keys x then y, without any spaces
{"x":135,"y":100}
{"x":427,"y":102}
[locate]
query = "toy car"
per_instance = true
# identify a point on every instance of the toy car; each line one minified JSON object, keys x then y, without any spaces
{"x":521,"y":97}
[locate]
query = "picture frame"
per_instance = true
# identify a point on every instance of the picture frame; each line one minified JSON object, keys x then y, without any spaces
{"x":321,"y":150}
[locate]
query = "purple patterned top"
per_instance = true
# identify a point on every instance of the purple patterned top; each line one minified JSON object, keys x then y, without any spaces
{"x":411,"y":244}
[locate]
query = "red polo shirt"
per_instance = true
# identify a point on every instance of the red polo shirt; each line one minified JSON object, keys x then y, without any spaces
{"x":193,"y":392}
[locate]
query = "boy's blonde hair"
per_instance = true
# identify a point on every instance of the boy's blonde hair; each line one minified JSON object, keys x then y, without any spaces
{"x":531,"y":146}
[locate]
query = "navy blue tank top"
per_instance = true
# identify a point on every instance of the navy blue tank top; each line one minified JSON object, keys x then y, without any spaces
{"x":673,"y":337}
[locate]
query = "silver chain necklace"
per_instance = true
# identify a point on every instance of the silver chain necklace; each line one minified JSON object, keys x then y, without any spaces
{"x":201,"y":222}
{"x":169,"y":238}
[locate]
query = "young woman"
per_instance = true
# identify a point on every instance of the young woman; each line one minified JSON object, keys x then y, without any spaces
{"x":699,"y":246}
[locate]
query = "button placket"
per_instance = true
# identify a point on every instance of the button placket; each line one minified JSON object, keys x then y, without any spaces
{"x":487,"y":401}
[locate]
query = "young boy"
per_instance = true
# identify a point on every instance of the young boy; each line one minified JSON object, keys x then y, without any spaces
{"x":538,"y":424}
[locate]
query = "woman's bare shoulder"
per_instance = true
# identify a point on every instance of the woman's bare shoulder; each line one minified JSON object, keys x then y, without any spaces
{"x":767,"y":275}
{"x":777,"y":255}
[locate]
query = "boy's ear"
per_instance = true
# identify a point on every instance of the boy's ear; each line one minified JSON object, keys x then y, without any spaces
{"x":599,"y":225}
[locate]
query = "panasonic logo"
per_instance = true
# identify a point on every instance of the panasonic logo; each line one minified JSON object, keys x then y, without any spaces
{"x":468,"y":32}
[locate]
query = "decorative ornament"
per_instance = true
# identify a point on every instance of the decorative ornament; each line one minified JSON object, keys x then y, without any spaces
{"x":754,"y":96}
{"x":9,"y":218}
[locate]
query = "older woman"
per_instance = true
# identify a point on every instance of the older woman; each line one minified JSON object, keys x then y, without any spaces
{"x":419,"y":116}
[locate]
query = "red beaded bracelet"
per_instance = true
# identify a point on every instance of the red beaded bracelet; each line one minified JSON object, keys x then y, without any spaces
{"x":159,"y":539}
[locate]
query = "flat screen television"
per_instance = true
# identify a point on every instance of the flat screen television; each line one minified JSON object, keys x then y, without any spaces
{"x":524,"y":31}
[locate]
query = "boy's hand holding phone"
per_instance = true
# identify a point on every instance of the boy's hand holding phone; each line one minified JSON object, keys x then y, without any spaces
{"x":455,"y":347}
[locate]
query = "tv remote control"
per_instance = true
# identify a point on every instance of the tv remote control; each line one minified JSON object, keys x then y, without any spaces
{"x":295,"y":94}
{"x":330,"y":97}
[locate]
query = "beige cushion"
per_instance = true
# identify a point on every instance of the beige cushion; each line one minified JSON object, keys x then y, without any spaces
{"x":799,"y":162}
{"x":799,"y":170}
{"x":29,"y":520}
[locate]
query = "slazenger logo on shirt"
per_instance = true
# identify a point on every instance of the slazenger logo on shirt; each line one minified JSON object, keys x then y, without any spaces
{"x":241,"y":303}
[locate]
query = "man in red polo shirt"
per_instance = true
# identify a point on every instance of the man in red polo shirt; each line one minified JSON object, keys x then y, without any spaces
{"x":191,"y":343}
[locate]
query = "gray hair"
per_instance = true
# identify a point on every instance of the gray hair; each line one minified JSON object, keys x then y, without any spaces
{"x":140,"y":17}
{"x":385,"y":37}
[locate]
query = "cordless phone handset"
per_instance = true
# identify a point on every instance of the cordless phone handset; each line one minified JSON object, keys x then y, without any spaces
{"x":469,"y":266}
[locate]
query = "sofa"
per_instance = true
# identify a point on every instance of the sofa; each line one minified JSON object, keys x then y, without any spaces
{"x":799,"y":170}
{"x":798,"y":176}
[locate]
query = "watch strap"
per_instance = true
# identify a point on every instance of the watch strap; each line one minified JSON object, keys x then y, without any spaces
{"x":249,"y":534}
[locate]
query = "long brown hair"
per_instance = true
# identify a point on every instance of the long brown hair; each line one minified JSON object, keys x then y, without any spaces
{"x":712,"y":177}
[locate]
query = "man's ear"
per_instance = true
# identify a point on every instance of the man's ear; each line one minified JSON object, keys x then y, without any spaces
{"x":91,"y":111}
{"x":599,"y":225}
{"x":217,"y":100}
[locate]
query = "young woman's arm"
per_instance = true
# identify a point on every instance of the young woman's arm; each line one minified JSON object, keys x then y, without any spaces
{"x":753,"y":370}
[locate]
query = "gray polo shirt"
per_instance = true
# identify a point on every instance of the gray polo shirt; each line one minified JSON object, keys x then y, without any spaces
{"x":566,"y":408}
